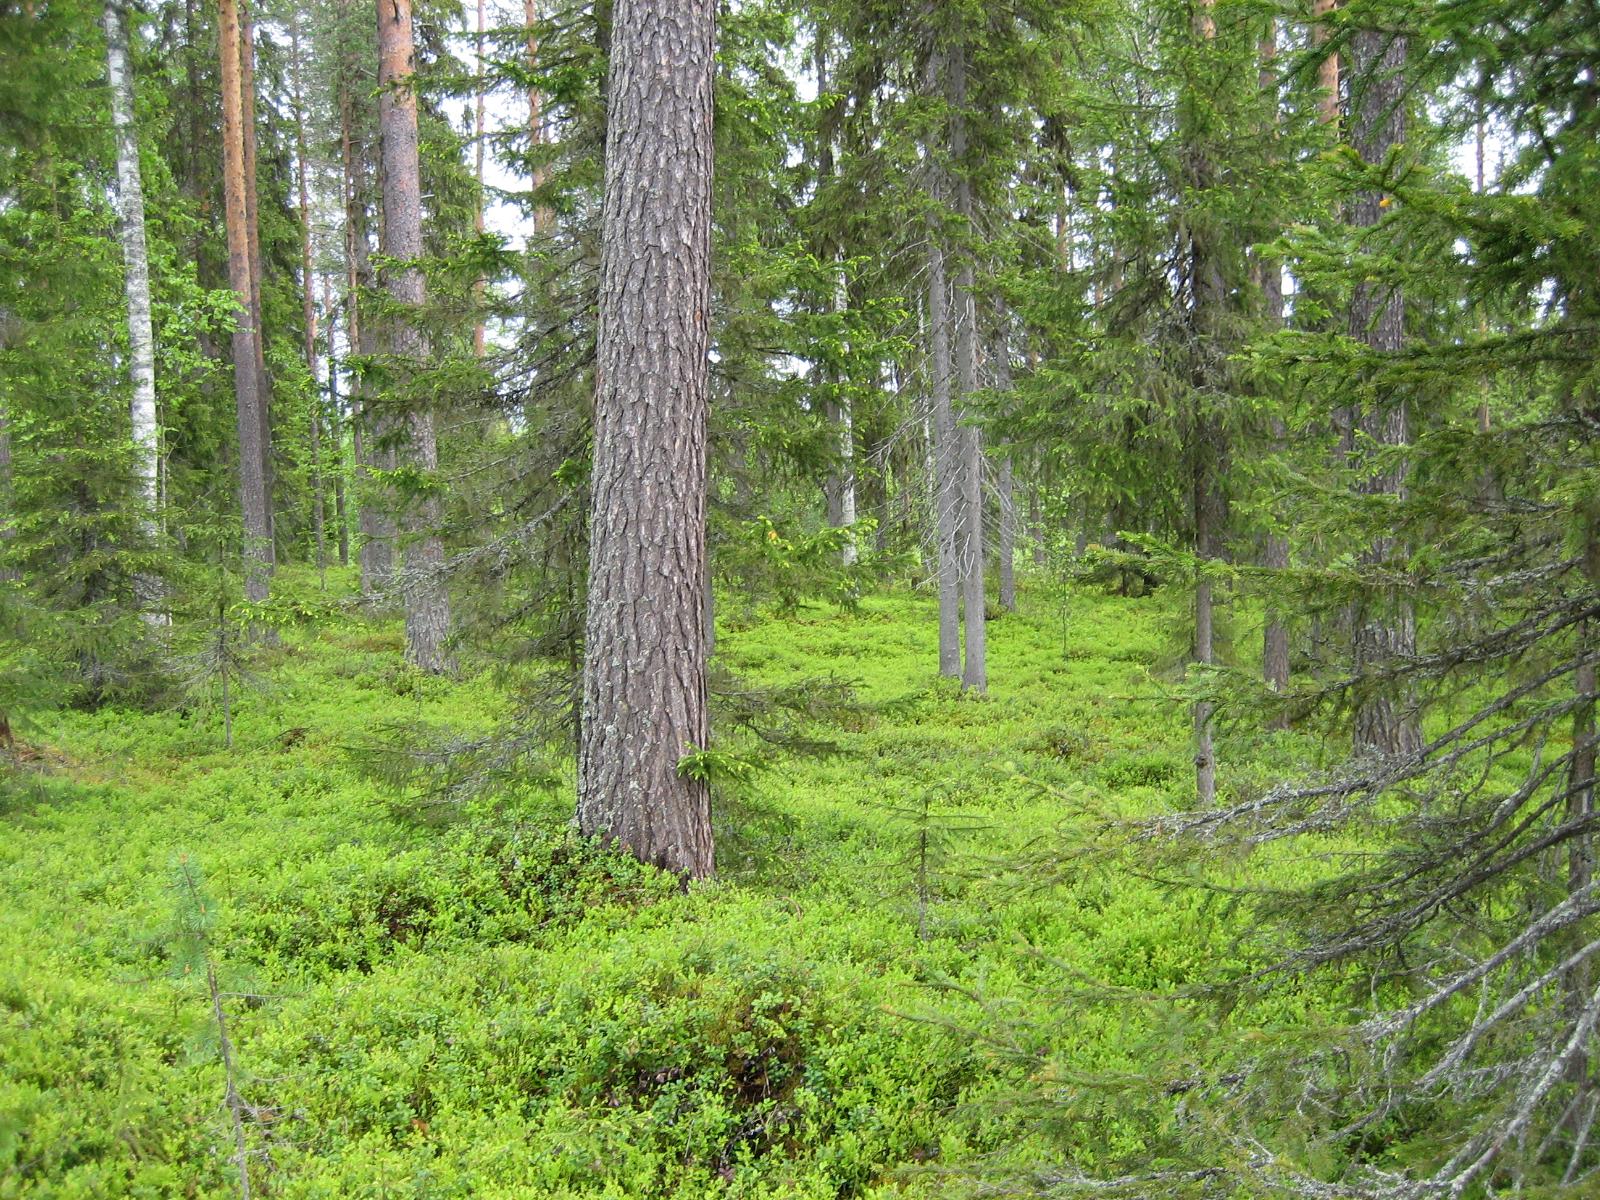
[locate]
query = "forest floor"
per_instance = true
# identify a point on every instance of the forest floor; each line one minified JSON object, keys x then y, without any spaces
{"x":469,"y":1003}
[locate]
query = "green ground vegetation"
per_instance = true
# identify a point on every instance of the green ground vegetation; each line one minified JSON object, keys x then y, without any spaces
{"x":908,"y":964}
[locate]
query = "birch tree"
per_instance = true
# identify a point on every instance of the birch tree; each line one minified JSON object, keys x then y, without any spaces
{"x":136,"y":276}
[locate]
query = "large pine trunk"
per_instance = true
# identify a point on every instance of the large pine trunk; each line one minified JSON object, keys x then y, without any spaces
{"x":1384,"y":623}
{"x":248,"y":399}
{"x":422,"y":584}
{"x":252,"y":217}
{"x":644,"y":674}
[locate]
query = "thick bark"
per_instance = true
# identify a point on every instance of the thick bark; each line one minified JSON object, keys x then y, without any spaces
{"x":427,"y":601}
{"x":1384,"y":623}
{"x":975,"y":665}
{"x":252,"y":216}
{"x":246,"y":378}
{"x":644,"y":674}
{"x":136,"y":282}
{"x":308,"y":307}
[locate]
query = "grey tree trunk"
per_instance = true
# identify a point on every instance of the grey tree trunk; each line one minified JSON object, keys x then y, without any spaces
{"x":946,"y":462}
{"x":1385,"y":623}
{"x":1275,"y":554}
{"x":975,"y":666}
{"x":944,"y":439}
{"x":376,"y":554}
{"x":1041,"y":556}
{"x":336,"y":425}
{"x":840,"y":487}
{"x":479,"y":331}
{"x":7,"y":531}
{"x":1580,"y":808}
{"x":1208,"y":448}
{"x":644,"y":671}
{"x":308,"y":307}
{"x":246,"y":377}
{"x":422,"y":584}
{"x":1007,"y":553}
{"x":136,"y":286}
{"x":844,"y":416}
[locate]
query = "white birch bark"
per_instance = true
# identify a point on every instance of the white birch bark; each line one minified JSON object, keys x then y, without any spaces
{"x":136,"y":282}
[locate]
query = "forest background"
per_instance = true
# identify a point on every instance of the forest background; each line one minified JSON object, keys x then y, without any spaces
{"x":1147,"y":557}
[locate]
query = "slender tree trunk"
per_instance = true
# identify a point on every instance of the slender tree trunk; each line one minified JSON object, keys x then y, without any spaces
{"x":252,"y":216}
{"x":844,"y":416}
{"x":1385,"y":623}
{"x":1275,"y":554}
{"x":336,"y":425}
{"x":1001,"y":357}
{"x":136,"y":286}
{"x":308,"y":307}
{"x":1209,"y":448}
{"x":479,"y":331}
{"x":1036,"y":525}
{"x":1328,"y":69}
{"x":975,"y":667}
{"x":427,"y":601}
{"x":376,"y":554}
{"x":541,"y":213}
{"x":197,"y":108}
{"x":841,"y":484}
{"x":944,"y":441}
{"x":246,"y":377}
{"x":7,"y":510}
{"x":1479,"y":147}
{"x":644,"y":674}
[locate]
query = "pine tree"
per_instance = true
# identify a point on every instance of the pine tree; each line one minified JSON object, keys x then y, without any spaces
{"x":423,"y":585}
{"x":644,"y":694}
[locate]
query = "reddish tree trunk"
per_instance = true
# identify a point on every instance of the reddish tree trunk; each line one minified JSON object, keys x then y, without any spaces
{"x":246,"y":375}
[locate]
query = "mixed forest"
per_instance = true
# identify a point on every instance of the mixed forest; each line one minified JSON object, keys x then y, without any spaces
{"x":799,"y":598}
